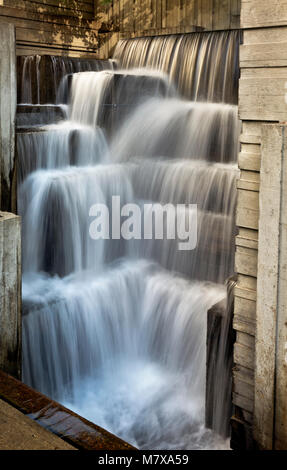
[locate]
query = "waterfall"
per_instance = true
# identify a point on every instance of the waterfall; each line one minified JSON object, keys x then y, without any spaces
{"x":179,"y":129}
{"x":58,"y":146}
{"x":115,"y":327}
{"x":120,"y":344}
{"x":56,"y":204}
{"x":115,"y":95}
{"x":204,"y":66}
{"x":39,"y":77}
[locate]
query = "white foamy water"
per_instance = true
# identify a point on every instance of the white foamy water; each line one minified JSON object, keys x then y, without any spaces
{"x":139,"y":349}
{"x":59,"y":146}
{"x":179,"y":129}
{"x":56,"y":203}
{"x":181,"y":182}
{"x":43,"y":76}
{"x":117,"y":330}
{"x":151,"y":407}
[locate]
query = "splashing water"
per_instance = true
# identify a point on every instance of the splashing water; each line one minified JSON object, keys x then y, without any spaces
{"x":116,"y":329}
{"x":142,"y":371}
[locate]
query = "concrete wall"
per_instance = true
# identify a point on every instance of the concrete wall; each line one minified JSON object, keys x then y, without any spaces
{"x":154,"y":17}
{"x":260,"y":375}
{"x":8,"y":94}
{"x":52,"y":27}
{"x":270,"y":412}
{"x":87,"y":27}
{"x":10,"y":294}
{"x":10,"y":236}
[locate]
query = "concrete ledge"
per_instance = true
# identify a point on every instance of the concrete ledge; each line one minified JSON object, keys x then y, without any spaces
{"x":18,"y":432}
{"x":72,"y":428}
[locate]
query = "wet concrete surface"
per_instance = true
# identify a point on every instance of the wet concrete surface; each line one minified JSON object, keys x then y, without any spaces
{"x":73,"y":429}
{"x":18,"y":432}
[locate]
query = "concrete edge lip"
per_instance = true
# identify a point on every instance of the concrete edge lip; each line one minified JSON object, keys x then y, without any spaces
{"x":66,"y":424}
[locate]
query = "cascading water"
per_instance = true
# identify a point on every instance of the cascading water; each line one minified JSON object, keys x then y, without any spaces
{"x":116,"y":329}
{"x":59,"y":146}
{"x":40,"y":76}
{"x":204,"y":66}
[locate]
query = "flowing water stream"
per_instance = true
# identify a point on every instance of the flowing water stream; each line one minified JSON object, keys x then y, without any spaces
{"x":114,"y":328}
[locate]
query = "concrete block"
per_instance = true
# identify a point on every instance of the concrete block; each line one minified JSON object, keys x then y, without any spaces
{"x":10,"y":294}
{"x":8,"y":98}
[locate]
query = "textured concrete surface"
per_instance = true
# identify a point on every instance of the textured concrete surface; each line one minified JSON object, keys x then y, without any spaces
{"x":260,"y":375}
{"x":18,"y":432}
{"x":270,"y":423}
{"x":72,"y":428}
{"x":10,"y":294}
{"x":8,"y":97}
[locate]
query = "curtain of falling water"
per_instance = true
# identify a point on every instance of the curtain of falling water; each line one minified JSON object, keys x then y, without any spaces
{"x":204,"y":66}
{"x":116,"y":329}
{"x":40,"y":76}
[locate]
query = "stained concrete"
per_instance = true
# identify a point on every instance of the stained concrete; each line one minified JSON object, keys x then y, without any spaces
{"x":260,"y":379}
{"x":270,"y":420}
{"x":18,"y":432}
{"x":10,"y":294}
{"x":72,"y":428}
{"x":8,"y":98}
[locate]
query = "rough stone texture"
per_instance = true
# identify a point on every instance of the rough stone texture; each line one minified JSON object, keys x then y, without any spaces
{"x":10,"y":294}
{"x":8,"y":98}
{"x":18,"y":432}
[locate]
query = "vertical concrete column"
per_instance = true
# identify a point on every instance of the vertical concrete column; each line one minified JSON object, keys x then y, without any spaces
{"x":8,"y":101}
{"x":10,"y":231}
{"x":270,"y":412}
{"x":10,"y":294}
{"x":280,"y":432}
{"x":260,"y":321}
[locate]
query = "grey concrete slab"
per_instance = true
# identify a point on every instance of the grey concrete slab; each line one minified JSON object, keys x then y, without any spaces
{"x":18,"y":432}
